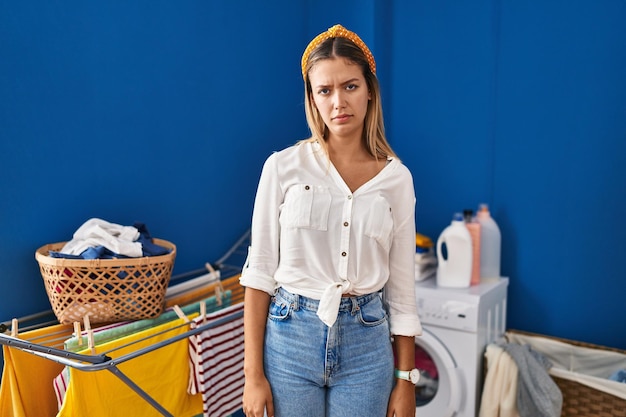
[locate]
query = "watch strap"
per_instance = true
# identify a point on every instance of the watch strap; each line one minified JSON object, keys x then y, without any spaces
{"x":402,"y":374}
{"x":413,"y":376}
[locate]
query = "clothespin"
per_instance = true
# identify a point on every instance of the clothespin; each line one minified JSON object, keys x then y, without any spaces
{"x":77,"y":333}
{"x":203,"y":311}
{"x":219,"y":293}
{"x":214,"y":274}
{"x":14,"y":328}
{"x":209,"y":267}
{"x":90,"y":341}
{"x":181,"y":315}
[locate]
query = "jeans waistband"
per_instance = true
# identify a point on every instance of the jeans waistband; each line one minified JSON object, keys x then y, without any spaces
{"x":346,"y":304}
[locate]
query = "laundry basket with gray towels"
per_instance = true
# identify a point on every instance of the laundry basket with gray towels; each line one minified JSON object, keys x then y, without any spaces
{"x":542,"y":376}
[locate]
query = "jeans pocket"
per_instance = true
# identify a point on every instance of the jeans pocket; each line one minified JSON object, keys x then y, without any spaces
{"x":279,"y":310}
{"x":372,"y":313}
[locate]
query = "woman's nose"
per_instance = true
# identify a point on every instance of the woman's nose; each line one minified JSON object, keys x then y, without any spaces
{"x":339,"y":99}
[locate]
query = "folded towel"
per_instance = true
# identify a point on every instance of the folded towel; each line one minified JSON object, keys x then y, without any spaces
{"x":499,"y":396}
{"x":425,"y":264}
{"x":537,"y":395}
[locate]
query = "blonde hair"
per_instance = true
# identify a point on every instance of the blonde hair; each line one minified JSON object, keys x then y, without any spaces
{"x":344,"y":47}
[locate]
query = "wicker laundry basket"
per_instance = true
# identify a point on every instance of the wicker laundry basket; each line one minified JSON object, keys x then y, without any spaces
{"x":107,"y":290}
{"x":581,"y":400}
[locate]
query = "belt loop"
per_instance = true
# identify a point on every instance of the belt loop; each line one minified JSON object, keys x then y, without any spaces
{"x":296,"y":301}
{"x":355,"y":304}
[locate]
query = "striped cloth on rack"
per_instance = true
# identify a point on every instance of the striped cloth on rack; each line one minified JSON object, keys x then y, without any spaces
{"x":216,"y":361}
{"x":60,"y":384}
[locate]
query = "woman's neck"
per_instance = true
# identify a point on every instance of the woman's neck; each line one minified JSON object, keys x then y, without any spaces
{"x":346,"y":150}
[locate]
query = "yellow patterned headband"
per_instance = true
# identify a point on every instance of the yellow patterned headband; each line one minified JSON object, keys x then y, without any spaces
{"x":337,"y":31}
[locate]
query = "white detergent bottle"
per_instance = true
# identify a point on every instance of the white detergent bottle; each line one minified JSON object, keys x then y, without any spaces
{"x":455,"y":269}
{"x":490,"y":243}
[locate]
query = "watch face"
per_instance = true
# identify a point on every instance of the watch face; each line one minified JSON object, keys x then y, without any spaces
{"x":414,"y":376}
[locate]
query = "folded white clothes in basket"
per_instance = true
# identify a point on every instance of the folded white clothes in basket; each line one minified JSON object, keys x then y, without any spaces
{"x":97,"y":232}
{"x":99,"y":239}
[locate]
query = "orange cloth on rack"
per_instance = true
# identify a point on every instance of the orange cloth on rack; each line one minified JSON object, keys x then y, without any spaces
{"x":162,"y":373}
{"x":189,"y":297}
{"x":205,"y":291}
{"x":26,"y":387}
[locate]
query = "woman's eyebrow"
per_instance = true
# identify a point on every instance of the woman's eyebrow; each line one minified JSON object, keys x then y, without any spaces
{"x":351,"y":80}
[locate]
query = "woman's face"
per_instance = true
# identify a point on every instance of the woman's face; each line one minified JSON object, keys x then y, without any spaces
{"x":341,"y":96}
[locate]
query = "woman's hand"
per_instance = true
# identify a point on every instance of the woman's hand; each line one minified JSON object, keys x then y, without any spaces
{"x":257,"y":394}
{"x":402,"y":400}
{"x":257,"y":397}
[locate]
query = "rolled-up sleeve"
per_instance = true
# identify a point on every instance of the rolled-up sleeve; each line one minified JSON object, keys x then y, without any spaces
{"x":263,"y":253}
{"x":399,"y":291}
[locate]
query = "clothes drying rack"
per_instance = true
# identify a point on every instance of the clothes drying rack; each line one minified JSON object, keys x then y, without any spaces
{"x":229,"y":267}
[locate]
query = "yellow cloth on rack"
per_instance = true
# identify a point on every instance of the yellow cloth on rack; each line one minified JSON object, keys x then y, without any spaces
{"x":26,"y":387}
{"x":162,"y":373}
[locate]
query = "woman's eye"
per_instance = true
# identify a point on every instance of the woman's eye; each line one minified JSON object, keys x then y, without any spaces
{"x":351,"y":87}
{"x":323,"y":91}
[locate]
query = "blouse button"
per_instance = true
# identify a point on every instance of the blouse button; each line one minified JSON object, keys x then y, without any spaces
{"x":345,"y":224}
{"x":343,"y":254}
{"x":350,"y":197}
{"x":306,"y":187}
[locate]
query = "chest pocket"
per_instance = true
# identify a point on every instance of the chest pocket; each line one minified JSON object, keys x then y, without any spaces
{"x":379,"y":224}
{"x":307,"y":207}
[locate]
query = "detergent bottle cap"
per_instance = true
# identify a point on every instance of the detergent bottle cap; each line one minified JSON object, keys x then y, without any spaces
{"x":483,"y":210}
{"x":467,"y":215}
{"x":458,"y":217}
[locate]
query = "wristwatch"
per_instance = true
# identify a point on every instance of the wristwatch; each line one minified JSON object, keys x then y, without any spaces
{"x":413,"y":375}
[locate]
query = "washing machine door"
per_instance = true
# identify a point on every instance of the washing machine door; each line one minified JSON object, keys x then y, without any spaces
{"x":439,"y":392}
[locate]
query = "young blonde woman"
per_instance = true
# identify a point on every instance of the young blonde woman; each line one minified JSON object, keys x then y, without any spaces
{"x":330,"y":298}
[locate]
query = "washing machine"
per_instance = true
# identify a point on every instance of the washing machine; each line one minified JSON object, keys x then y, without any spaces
{"x":458,"y":324}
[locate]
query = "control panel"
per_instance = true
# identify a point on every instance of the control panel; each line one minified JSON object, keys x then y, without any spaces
{"x":453,"y":314}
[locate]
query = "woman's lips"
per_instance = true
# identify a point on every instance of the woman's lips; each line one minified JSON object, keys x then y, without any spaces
{"x":341,"y":118}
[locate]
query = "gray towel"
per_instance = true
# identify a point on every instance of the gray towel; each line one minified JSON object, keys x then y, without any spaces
{"x":537,"y":395}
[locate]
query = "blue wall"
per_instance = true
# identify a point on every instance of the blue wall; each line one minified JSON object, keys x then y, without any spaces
{"x":160,"y":112}
{"x":522,"y":105}
{"x":163,"y":112}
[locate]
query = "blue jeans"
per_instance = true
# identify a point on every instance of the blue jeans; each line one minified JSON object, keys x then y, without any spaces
{"x":317,"y":371}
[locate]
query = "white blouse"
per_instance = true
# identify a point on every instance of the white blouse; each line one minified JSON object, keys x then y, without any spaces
{"x":314,"y":237}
